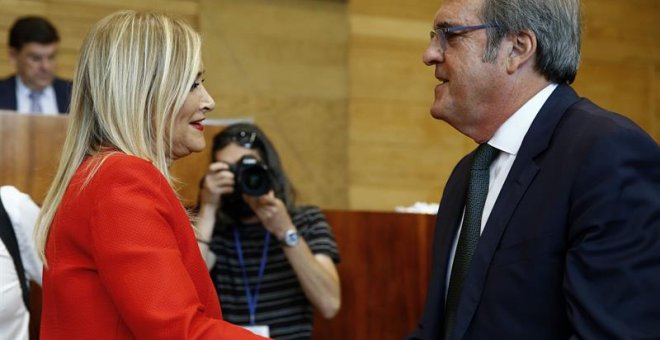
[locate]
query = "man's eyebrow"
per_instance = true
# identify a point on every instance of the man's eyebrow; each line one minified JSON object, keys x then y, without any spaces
{"x":443,"y":24}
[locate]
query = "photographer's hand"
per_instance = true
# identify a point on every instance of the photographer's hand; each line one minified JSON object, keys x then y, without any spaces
{"x":218,"y":180}
{"x":317,"y":274}
{"x":272,"y":213}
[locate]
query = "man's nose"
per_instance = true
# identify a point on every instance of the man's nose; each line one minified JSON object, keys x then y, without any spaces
{"x":432,"y":55}
{"x":46,"y":64}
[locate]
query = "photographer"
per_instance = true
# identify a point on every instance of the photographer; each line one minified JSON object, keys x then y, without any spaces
{"x":271,"y":262}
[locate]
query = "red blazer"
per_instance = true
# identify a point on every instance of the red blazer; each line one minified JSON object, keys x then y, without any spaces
{"x":123,"y":262}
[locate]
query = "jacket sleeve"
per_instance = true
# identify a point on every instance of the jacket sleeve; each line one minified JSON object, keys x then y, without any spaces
{"x":612,"y":274}
{"x":139,"y":262}
{"x":23,"y":213}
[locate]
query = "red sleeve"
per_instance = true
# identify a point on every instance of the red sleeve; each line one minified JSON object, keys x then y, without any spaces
{"x":139,"y":261}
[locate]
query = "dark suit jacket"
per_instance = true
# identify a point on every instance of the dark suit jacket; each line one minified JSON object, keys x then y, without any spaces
{"x":8,"y":99}
{"x":572,"y":246}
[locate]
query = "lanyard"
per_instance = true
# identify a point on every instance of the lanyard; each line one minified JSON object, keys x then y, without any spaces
{"x":252,"y":297}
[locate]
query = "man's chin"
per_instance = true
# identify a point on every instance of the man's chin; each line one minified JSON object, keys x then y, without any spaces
{"x":42,"y":84}
{"x":437,"y":113}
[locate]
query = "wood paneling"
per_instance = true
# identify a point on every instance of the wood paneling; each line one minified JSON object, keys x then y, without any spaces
{"x":384,"y":271}
{"x":31,"y":147}
{"x":408,"y":9}
{"x":283,"y":64}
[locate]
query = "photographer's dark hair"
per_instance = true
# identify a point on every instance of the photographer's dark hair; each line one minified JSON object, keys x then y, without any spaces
{"x":250,"y":136}
{"x":32,"y":29}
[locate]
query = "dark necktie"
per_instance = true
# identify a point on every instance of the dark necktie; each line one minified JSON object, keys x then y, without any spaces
{"x":471,"y":229}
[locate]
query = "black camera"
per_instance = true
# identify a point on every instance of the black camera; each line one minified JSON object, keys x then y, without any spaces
{"x":252,"y":176}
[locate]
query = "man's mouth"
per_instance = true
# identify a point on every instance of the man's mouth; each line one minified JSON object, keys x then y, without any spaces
{"x":442,"y":82}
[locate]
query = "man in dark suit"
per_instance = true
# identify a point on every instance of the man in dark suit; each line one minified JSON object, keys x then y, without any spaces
{"x":33,"y":43}
{"x":550,"y":229}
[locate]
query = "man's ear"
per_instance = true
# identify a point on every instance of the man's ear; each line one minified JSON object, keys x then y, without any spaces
{"x":13,"y":55}
{"x":523,"y":48}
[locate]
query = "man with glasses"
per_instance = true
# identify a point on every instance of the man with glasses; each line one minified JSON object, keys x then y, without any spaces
{"x":33,"y":44}
{"x":550,"y":229}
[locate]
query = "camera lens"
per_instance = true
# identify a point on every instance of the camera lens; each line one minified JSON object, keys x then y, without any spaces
{"x":252,"y":177}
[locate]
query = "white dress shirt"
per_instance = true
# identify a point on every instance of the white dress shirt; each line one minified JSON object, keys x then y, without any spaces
{"x":48,"y":99}
{"x":508,"y":139}
{"x":23,"y":212}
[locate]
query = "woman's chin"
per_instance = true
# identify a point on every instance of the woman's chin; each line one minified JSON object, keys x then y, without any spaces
{"x":184,"y":151}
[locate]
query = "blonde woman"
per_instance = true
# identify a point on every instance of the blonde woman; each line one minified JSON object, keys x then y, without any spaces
{"x":122,"y":259}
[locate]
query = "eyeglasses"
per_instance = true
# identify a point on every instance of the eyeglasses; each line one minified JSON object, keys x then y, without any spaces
{"x":443,"y":34}
{"x":245,"y":139}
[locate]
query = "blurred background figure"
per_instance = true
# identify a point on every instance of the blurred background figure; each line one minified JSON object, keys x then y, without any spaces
{"x":120,"y":252}
{"x":271,"y":261}
{"x":34,"y":88}
{"x":19,"y":262}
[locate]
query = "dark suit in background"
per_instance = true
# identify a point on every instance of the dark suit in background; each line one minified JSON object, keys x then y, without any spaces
{"x":8,"y":99}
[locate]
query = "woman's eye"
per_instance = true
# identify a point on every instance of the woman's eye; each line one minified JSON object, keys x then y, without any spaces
{"x":196,"y":84}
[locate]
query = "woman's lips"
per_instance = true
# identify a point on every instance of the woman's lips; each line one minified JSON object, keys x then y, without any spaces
{"x":198,"y":125}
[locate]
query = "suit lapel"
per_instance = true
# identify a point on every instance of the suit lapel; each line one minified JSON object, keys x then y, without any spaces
{"x":520,"y":177}
{"x":62,"y":94}
{"x":8,"y":93}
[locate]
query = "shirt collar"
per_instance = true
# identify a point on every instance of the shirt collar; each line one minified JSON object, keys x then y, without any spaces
{"x":24,"y":91}
{"x":509,"y":136}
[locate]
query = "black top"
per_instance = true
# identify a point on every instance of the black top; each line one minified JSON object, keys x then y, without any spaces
{"x":282,"y":304}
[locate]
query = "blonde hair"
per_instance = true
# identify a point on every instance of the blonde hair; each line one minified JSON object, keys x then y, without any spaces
{"x":134,"y":74}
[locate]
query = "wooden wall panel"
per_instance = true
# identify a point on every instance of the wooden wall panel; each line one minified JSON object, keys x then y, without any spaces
{"x":625,"y":88}
{"x":30,"y":150}
{"x":621,"y":57}
{"x":408,"y":9}
{"x":384,"y":271}
{"x":283,"y":64}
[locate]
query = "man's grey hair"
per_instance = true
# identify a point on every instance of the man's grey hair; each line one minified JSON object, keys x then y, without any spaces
{"x":556,"y":24}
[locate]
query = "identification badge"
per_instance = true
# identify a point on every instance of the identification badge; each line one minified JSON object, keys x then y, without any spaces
{"x":262,"y":330}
